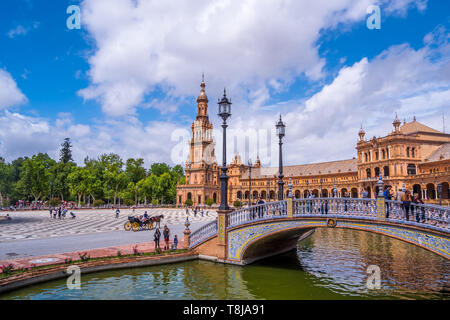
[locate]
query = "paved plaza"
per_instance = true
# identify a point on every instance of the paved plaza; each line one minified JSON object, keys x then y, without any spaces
{"x":39,"y":225}
{"x":34,"y":233}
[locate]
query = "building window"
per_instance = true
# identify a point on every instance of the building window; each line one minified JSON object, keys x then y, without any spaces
{"x":407,"y":152}
{"x":377,"y":172}
{"x":413,"y":151}
{"x":411,"y":169}
{"x":386,"y":171}
{"x":369,"y":173}
{"x":376,"y":156}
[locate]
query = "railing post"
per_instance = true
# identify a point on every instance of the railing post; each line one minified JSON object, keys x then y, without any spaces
{"x":289,"y":201}
{"x":222,"y":239}
{"x":381,"y":201}
{"x":187,"y":234}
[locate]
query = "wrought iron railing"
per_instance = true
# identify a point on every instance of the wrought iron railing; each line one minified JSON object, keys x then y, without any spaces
{"x":424,"y":215}
{"x":206,"y":231}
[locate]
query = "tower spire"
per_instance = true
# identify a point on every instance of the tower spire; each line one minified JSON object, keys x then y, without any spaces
{"x":361,"y":133}
{"x":202,"y":100}
{"x":396,"y":123}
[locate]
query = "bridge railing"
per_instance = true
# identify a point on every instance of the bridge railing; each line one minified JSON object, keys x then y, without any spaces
{"x":206,"y":231}
{"x":270,"y":210}
{"x":335,"y":206}
{"x":429,"y":216}
{"x":424,"y":215}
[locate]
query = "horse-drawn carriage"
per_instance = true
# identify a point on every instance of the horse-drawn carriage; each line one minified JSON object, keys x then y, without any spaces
{"x":138,"y":224}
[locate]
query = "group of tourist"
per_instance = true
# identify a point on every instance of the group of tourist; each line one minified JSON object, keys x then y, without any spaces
{"x":166,"y":235}
{"x":196,"y":210}
{"x":404,"y":195}
{"x":60,"y":211}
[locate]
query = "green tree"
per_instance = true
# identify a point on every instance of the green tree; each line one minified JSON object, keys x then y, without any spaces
{"x":76,"y":181}
{"x":209,"y":202}
{"x":66,"y":151}
{"x":114,"y":176}
{"x":145,"y":188}
{"x":135,"y":169}
{"x":35,"y":176}
{"x":159,"y":169}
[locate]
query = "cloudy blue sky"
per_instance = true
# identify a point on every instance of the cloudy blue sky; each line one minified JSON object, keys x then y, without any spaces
{"x":127,"y":81}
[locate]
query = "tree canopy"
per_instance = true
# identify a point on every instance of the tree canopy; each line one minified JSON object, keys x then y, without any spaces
{"x":105,"y":179}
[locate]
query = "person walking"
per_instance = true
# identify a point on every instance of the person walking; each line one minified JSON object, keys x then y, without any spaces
{"x":417,"y":200}
{"x":156,"y":237}
{"x":387,"y":196}
{"x":55,"y":212}
{"x":166,"y":234}
{"x":59,"y":213}
{"x":117,"y":213}
{"x":51,"y":212}
{"x":195,"y":212}
{"x":406,"y":199}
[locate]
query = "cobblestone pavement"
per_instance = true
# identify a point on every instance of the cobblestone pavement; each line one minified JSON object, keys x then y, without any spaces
{"x":39,"y":225}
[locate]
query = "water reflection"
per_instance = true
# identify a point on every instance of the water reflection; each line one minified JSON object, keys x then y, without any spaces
{"x":331,"y":264}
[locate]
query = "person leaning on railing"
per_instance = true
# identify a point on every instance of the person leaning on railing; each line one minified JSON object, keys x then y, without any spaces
{"x":417,"y":200}
{"x":388,"y":196}
{"x":406,"y":199}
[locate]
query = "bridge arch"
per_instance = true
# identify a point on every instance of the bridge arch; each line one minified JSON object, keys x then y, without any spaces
{"x":261,"y":240}
{"x":255,"y":232}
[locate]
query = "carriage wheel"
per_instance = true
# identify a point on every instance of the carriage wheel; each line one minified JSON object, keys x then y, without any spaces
{"x":150,"y":226}
{"x":135,"y":226}
{"x":127,"y":226}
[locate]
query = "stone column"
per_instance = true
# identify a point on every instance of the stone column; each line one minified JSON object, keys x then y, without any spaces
{"x":289,"y":201}
{"x":187,"y":233}
{"x":381,"y":202}
{"x":222,"y":238}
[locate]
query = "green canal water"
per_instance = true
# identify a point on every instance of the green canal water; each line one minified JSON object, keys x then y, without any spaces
{"x":331,"y":264}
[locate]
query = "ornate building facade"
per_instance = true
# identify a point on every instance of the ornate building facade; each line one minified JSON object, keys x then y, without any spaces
{"x":413,"y":156}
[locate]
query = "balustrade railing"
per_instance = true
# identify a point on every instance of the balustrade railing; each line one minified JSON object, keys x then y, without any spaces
{"x":426,"y":215}
{"x":270,"y":210}
{"x":203,"y":233}
{"x":335,"y":206}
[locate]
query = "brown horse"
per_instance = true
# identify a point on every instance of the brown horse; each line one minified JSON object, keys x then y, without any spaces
{"x":157,"y":219}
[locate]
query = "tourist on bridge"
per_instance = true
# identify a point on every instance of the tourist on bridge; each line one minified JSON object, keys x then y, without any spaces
{"x":387,"y":196}
{"x":260,"y":209}
{"x":156,"y":237}
{"x":417,"y":200}
{"x":406,"y":199}
{"x":166,"y":234}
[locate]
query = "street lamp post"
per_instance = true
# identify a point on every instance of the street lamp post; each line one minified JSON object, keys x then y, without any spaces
{"x":280,"y":126}
{"x":250,"y":182}
{"x":224,"y":113}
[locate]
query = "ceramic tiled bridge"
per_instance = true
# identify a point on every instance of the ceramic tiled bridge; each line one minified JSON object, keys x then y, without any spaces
{"x":252,"y":233}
